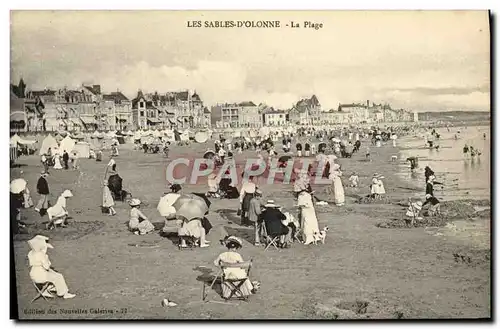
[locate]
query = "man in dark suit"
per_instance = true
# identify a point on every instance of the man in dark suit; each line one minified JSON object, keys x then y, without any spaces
{"x":66,"y":159}
{"x":42,"y":188}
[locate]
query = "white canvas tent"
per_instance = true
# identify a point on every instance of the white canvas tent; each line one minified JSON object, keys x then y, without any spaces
{"x":15,"y":139}
{"x":82,"y":149}
{"x":67,"y":144}
{"x":48,"y":142}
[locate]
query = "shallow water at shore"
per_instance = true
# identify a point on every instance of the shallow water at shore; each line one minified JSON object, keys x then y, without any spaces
{"x":464,"y":177}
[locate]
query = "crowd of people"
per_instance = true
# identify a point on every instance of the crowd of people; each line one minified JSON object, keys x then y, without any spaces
{"x":271,"y":222}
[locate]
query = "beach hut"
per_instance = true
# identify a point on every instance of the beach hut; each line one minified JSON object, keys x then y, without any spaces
{"x":48,"y":142}
{"x":67,"y":144}
{"x":82,"y":149}
{"x":15,"y":139}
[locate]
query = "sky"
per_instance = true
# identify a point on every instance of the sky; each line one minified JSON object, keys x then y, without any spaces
{"x":417,"y":60}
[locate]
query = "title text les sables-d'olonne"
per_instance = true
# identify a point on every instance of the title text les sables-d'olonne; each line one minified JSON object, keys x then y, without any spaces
{"x":253,"y":24}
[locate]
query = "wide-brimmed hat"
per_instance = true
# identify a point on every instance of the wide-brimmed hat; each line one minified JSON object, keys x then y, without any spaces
{"x":134,"y":202}
{"x":44,"y":174}
{"x":67,"y":194}
{"x":258,"y":192}
{"x":39,"y":242}
{"x":376,"y":174}
{"x":233,"y":239}
{"x":418,"y":205}
{"x":271,"y":204}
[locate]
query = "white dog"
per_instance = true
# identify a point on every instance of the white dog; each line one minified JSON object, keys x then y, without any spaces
{"x":321,"y":236}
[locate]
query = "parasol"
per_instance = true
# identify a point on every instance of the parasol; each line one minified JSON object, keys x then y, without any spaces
{"x":284,"y":158}
{"x":165,"y":206}
{"x":190,"y":206}
{"x":201,"y":137}
{"x":17,"y":185}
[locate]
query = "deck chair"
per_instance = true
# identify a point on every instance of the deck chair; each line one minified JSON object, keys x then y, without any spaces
{"x":233,"y":284}
{"x":269,"y":240}
{"x":41,"y":288}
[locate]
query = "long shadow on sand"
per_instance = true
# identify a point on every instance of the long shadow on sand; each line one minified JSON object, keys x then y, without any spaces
{"x":246,"y":233}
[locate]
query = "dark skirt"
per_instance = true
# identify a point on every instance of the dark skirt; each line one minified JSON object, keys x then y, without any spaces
{"x":245,"y":205}
{"x":206,"y":225}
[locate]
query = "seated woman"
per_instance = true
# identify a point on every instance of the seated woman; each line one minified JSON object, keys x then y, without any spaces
{"x":273,"y":220}
{"x":58,"y":213}
{"x":169,"y":213}
{"x":41,"y":271}
{"x":213,"y":186}
{"x":228,"y":189}
{"x":194,"y":229}
{"x":139,"y":223}
{"x":233,"y":244}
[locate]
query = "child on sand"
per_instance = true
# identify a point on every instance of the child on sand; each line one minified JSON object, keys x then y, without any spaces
{"x":107,"y":200}
{"x":353,"y":180}
{"x":139,"y":223}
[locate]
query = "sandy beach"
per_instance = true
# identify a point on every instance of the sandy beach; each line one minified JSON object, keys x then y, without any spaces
{"x":362,"y":271}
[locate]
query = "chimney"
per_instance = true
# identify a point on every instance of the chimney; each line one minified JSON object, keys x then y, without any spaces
{"x":97,"y":88}
{"x":367,"y":104}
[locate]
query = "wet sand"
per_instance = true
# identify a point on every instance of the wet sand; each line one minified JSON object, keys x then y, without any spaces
{"x":406,"y":273}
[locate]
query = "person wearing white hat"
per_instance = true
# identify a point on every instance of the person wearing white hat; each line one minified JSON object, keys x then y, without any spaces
{"x":233,"y":244}
{"x":41,"y":271}
{"x":58,"y":212}
{"x":138,"y":223}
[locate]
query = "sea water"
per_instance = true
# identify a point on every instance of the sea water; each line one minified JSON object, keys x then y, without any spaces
{"x":463,"y":176}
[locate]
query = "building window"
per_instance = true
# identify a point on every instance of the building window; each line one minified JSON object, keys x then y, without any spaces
{"x":141,"y":113}
{"x":141,"y":105}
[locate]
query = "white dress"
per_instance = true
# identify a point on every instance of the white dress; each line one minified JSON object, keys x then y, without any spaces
{"x":57,"y":162}
{"x":338,"y":188}
{"x":58,"y":210}
{"x":309,"y":219}
{"x":234,"y":273}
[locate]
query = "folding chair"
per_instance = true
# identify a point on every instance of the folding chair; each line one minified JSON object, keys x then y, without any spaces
{"x":233,"y":284}
{"x":41,"y":288}
{"x":270,"y":240}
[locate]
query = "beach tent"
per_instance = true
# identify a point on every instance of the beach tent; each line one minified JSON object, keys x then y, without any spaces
{"x":48,"y":142}
{"x":201,"y":137}
{"x":67,"y":144}
{"x":82,"y":149}
{"x":15,"y":139}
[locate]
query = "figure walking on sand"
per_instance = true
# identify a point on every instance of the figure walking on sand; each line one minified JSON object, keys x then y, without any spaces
{"x":338,"y":189}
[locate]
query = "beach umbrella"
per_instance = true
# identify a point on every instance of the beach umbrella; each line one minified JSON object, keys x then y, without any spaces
{"x":17,"y":185}
{"x":284,"y":158}
{"x":209,"y":155}
{"x":190,"y":206}
{"x":165,"y":206}
{"x":204,"y":197}
{"x":201,"y":137}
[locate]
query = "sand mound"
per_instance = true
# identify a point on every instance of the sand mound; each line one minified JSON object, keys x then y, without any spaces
{"x":450,"y":211}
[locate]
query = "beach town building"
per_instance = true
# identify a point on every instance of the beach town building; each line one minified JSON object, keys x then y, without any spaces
{"x":181,"y":109}
{"x":235,"y":115}
{"x":144,"y":113}
{"x":118,"y":111}
{"x":66,"y":109}
{"x":25,"y":114}
{"x":272,"y":117}
{"x":307,"y":111}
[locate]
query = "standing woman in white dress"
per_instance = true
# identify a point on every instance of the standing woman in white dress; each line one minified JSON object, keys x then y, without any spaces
{"x":57,"y":161}
{"x":338,"y":189}
{"x":308,"y":216}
